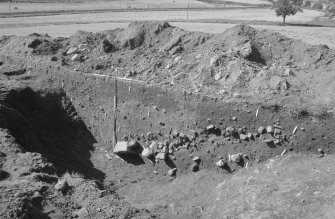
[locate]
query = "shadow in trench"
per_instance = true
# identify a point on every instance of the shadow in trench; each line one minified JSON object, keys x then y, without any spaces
{"x":46,"y":122}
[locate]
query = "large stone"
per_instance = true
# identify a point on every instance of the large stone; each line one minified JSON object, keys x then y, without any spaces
{"x":236,"y":157}
{"x":124,"y":148}
{"x":210,"y":128}
{"x":277,"y":131}
{"x":217,"y":76}
{"x":161,"y":156}
{"x":172,"y":172}
{"x":147,"y":152}
{"x":244,"y":137}
{"x":230,"y":131}
{"x":261,"y":130}
{"x":196,"y":159}
{"x":150,"y":136}
{"x":269,"y":129}
{"x":153,"y":146}
{"x":61,"y":186}
{"x":220,"y":163}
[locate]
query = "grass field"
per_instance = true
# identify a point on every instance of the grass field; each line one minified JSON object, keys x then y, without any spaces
{"x":100,"y":5}
{"x":237,"y":14}
{"x":67,"y":24}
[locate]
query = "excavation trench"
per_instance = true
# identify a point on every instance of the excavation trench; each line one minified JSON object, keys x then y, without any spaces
{"x":71,"y":124}
{"x":66,"y":127}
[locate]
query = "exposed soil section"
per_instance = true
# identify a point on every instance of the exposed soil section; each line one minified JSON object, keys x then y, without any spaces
{"x":198,"y":94}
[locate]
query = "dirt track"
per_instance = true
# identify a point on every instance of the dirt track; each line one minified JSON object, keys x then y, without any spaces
{"x":57,"y":118}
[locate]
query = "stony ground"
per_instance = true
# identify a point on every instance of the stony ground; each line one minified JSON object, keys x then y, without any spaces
{"x":233,"y":125}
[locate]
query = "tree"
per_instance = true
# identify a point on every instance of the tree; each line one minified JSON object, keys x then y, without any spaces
{"x":307,"y":4}
{"x":317,"y":5}
{"x":330,"y":9}
{"x":286,"y":8}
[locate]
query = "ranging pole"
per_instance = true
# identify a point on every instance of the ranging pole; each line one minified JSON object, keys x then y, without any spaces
{"x":114,"y":116}
{"x":188,"y":7}
{"x":10,"y":10}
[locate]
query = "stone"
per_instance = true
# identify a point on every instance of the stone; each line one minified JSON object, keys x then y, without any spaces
{"x":261,"y":130}
{"x":175,"y":133}
{"x":72,"y":50}
{"x":172,"y":172}
{"x":289,"y":72}
{"x":135,"y":147}
{"x":269,"y":129}
{"x":165,"y":149}
{"x":197,"y":160}
{"x":220,"y":163}
{"x":244,"y":137}
{"x":210,"y":128}
{"x":198,"y":56}
{"x":161,"y":156}
{"x":234,"y":118}
{"x":153,"y":146}
{"x":195,"y":167}
{"x":121,"y":148}
{"x":230,"y":130}
{"x":150,"y":136}
{"x":61,"y":186}
{"x":170,"y":151}
{"x":124,"y":148}
{"x":217,"y":76}
{"x":277,"y":131}
{"x":285,"y":85}
{"x":147,"y":152}
{"x":236,"y":157}
{"x":75,"y":57}
{"x":270,"y":140}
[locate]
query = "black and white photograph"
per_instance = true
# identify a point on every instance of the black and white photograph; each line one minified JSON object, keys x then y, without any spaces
{"x":167,"y":109}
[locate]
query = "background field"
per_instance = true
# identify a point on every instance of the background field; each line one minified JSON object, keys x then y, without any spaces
{"x":212,"y":16}
{"x":207,"y":20}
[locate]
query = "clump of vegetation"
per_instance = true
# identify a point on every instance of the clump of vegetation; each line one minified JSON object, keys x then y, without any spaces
{"x":330,"y":9}
{"x":307,"y":4}
{"x":318,"y":5}
{"x":286,"y":8}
